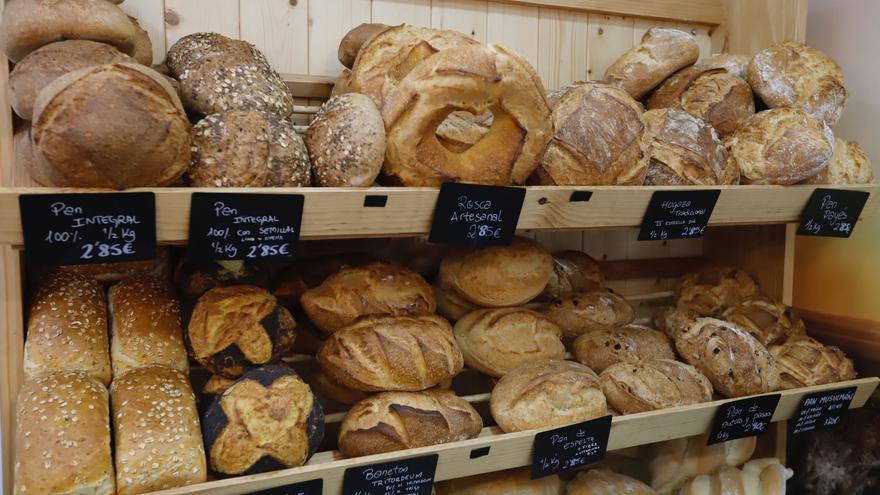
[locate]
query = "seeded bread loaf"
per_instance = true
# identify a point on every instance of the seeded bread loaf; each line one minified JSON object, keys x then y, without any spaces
{"x":600,"y":349}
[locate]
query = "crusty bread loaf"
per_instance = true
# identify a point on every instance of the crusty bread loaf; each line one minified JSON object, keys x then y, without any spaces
{"x":378,"y":353}
{"x":737,"y":65}
{"x":508,"y":482}
{"x":545,"y":393}
{"x":672,"y":319}
{"x":660,"y":53}
{"x":600,"y":349}
{"x":588,"y":311}
{"x":606,"y":482}
{"x":67,"y":328}
{"x":714,"y":95}
{"x":573,"y":271}
{"x":450,"y":305}
{"x":375,"y":288}
{"x":711,"y":291}
{"x":651,"y":385}
{"x":498,"y":276}
{"x":768,"y":321}
{"x":734,"y":361}
{"x":674,"y":461}
{"x":216,"y":385}
{"x":461,"y":130}
{"x":145,"y":325}
{"x":42,"y":66}
{"x":346,"y":142}
{"x":780,"y":146}
{"x":115,"y":125}
{"x":110,"y":273}
{"x":156,"y":432}
{"x":685,"y":150}
{"x":792,"y":74}
{"x":353,"y":41}
{"x":599,"y":138}
{"x":326,"y":388}
{"x":805,"y":362}
{"x":194,"y":278}
{"x":308,"y":273}
{"x":494,"y":341}
{"x":849,"y":164}
{"x":62,"y":436}
{"x":757,"y":477}
{"x":143,"y":46}
{"x":477,"y":78}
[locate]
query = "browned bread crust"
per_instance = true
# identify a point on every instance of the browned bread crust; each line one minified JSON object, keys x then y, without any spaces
{"x":651,"y":385}
{"x":588,"y":311}
{"x":600,"y":349}
{"x":661,"y":52}
{"x":805,"y":362}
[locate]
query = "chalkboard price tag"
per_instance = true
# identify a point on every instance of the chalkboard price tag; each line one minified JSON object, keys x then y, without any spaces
{"x":832,"y":212}
{"x":76,"y":229}
{"x":821,"y":410}
{"x":476,"y":215}
{"x":743,"y":418}
{"x":233,"y":226}
{"x":570,"y":447}
{"x":407,"y":477}
{"x":312,"y":487}
{"x":678,"y":214}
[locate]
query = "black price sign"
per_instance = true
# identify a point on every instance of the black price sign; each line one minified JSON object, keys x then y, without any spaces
{"x":832,"y":212}
{"x":570,"y":447}
{"x":232,"y":226}
{"x":743,"y":418}
{"x":313,"y":487}
{"x":821,"y":410}
{"x":76,"y":229}
{"x":678,"y":214}
{"x":476,"y":215}
{"x":407,"y":477}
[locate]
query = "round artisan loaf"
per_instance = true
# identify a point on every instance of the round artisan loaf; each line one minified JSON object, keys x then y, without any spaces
{"x":737,"y":65}
{"x":308,"y":273}
{"x":628,"y":344}
{"x":194,"y":278}
{"x":508,"y":482}
{"x":805,"y":362}
{"x":383,"y":353}
{"x":388,"y":56}
{"x":606,"y":482}
{"x":62,"y":436}
{"x":45,"y":64}
{"x":476,"y":79}
{"x":685,"y":150}
{"x":588,"y":311}
{"x":711,"y":291}
{"x":494,"y":341}
{"x":791,"y":74}
{"x":326,"y":388}
{"x":353,"y":41}
{"x":267,"y":420}
{"x":768,"y":321}
{"x":375,"y":288}
{"x":115,"y":125}
{"x":498,"y":276}
{"x":734,"y":361}
{"x":672,"y":319}
{"x":652,"y":385}
{"x":546,"y":393}
{"x":780,"y":146}
{"x":143,"y":47}
{"x":599,"y":138}
{"x":29,"y":24}
{"x":849,"y":164}
{"x":393,"y":421}
{"x":248,"y":148}
{"x":714,"y":95}
{"x":238,"y":327}
{"x":660,"y":53}
{"x":573,"y":271}
{"x":674,"y":461}
{"x":346,"y":142}
{"x":452,"y":306}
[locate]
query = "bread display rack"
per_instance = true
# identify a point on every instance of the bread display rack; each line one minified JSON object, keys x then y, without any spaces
{"x":752,"y":227}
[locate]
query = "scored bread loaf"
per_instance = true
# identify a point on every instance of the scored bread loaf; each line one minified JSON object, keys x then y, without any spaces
{"x":385,"y":352}
{"x":145,"y":326}
{"x":768,"y":321}
{"x":849,"y":164}
{"x":546,"y":393}
{"x":62,"y":436}
{"x":508,"y":482}
{"x":573,"y":271}
{"x":309,"y":273}
{"x":757,"y":477}
{"x":67,"y":328}
{"x":353,"y":41}
{"x":652,"y":385}
{"x":583,"y":312}
{"x":660,"y":53}
{"x":672,"y":319}
{"x":392,"y":421}
{"x":375,"y":288}
{"x":494,"y":341}
{"x":156,"y":434}
{"x":805,"y":362}
{"x":711,"y":291}
{"x":599,"y":481}
{"x":674,"y":461}
{"x":600,"y":349}
{"x":737,"y":65}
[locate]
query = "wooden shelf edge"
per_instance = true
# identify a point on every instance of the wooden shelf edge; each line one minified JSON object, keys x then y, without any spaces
{"x":510,"y":450}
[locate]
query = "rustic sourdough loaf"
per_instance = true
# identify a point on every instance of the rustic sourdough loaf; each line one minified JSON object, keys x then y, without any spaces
{"x":588,"y":311}
{"x":661,"y":52}
{"x":805,"y":362}
{"x":737,"y":65}
{"x":849,"y":164}
{"x":600,"y":349}
{"x":353,"y":41}
{"x":655,"y":384}
{"x":573,"y":271}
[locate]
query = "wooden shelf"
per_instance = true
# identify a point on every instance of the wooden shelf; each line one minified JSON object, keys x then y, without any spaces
{"x":510,"y":450}
{"x":340,"y":213}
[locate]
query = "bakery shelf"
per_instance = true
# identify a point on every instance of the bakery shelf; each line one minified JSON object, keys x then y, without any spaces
{"x":340,"y":212}
{"x":509,"y":450}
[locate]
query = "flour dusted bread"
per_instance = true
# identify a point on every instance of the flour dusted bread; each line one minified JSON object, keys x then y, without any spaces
{"x":600,"y":349}
{"x":599,"y":138}
{"x":507,"y":482}
{"x":792,"y":74}
{"x":606,"y":482}
{"x":62,"y":436}
{"x":780,"y":146}
{"x":768,"y":321}
{"x":757,"y":477}
{"x":652,"y":385}
{"x":588,"y":311}
{"x":849,"y":164}
{"x":353,"y":41}
{"x":711,"y":291}
{"x":67,"y":328}
{"x":573,"y":271}
{"x":660,"y":53}
{"x":737,"y":65}
{"x":404,"y":420}
{"x":546,"y":393}
{"x":804,"y":362}
{"x":674,"y":461}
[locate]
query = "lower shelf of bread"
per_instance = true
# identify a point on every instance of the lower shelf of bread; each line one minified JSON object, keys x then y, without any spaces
{"x":510,"y":450}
